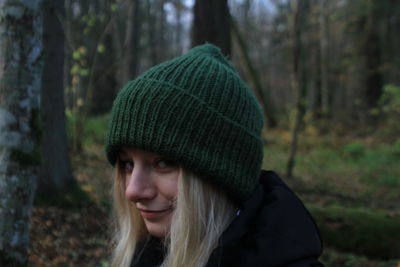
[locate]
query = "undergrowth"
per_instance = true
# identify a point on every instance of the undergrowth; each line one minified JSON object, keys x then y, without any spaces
{"x":74,"y":198}
{"x":361,"y":169}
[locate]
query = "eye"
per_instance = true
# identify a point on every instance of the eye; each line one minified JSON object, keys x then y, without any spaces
{"x":126,"y":166}
{"x":165,"y":164}
{"x":162,"y":164}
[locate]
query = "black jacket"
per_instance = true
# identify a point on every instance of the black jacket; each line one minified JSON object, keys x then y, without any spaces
{"x":272,"y":229}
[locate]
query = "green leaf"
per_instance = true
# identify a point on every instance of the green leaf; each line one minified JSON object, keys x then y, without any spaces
{"x":75,"y":69}
{"x":114,"y":7}
{"x":76,"y":55}
{"x":101,"y":48}
{"x":92,"y":21}
{"x":84,"y":72}
{"x":85,"y":18}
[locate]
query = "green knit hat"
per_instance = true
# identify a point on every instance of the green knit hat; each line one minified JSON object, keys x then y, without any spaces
{"x":194,"y":109}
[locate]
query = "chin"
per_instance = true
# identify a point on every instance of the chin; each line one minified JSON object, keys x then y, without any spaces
{"x":158,"y":227}
{"x":157,"y":230}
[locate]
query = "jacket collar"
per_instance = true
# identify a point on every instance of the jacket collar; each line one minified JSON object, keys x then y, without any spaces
{"x":273,"y":229}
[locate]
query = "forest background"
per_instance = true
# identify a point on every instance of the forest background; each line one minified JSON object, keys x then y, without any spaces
{"x":327,"y":74}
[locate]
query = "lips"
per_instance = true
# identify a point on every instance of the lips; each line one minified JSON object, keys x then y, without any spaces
{"x":154,"y":214}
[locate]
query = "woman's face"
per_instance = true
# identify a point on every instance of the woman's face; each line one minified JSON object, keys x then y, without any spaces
{"x":151,"y":182}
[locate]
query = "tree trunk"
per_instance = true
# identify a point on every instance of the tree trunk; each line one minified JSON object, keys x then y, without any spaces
{"x":20,"y":81}
{"x":105,"y":81}
{"x":372,"y":53}
{"x":266,"y":104}
{"x":152,"y":31}
{"x":323,"y":57}
{"x":299,"y":81}
{"x":162,"y":47}
{"x":211,"y":24}
{"x":85,"y":88}
{"x":179,"y":29}
{"x":130,"y":59}
{"x":56,"y":174}
{"x":156,"y":19}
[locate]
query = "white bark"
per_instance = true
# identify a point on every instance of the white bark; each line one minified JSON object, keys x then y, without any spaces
{"x":20,"y":79}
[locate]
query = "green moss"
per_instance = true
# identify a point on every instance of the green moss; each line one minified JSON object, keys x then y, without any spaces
{"x":363,"y":231}
{"x":354,"y":150}
{"x":94,"y":132}
{"x":332,"y":257}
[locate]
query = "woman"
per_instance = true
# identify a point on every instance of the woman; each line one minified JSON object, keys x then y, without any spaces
{"x":189,"y":190}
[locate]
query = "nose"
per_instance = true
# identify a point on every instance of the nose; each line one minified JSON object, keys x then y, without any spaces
{"x":139,"y":185}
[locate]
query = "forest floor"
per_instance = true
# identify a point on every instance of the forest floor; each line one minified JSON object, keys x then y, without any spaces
{"x":331,"y":173}
{"x":76,"y":231}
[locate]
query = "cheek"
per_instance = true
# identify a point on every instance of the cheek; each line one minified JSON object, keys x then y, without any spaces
{"x":169,"y":188}
{"x":125,"y":181}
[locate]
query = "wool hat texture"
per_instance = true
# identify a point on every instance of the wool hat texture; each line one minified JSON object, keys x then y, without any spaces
{"x":194,"y":109}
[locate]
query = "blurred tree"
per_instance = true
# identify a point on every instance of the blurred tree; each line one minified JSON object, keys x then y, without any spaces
{"x":338,"y":65}
{"x":93,"y":21}
{"x":106,"y":80}
{"x":109,"y":43}
{"x":157,"y":28}
{"x":56,"y":174}
{"x":372,"y":51}
{"x":342,"y":61}
{"x":358,"y":61}
{"x":20,"y":80}
{"x":323,"y":57}
{"x":390,"y":41}
{"x":211,"y":24}
{"x":253,"y":74}
{"x":298,"y":20}
{"x":179,"y":11}
{"x":130,"y":59}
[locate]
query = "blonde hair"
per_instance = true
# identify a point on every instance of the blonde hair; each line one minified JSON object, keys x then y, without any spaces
{"x":201,"y":215}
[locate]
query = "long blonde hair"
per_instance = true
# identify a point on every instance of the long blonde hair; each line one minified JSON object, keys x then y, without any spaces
{"x":201,"y":215}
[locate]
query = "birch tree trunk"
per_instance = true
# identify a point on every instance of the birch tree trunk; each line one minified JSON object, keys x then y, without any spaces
{"x":20,"y":79}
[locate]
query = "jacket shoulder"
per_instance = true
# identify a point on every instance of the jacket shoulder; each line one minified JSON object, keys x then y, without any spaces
{"x":284,"y":220}
{"x":272,"y":229}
